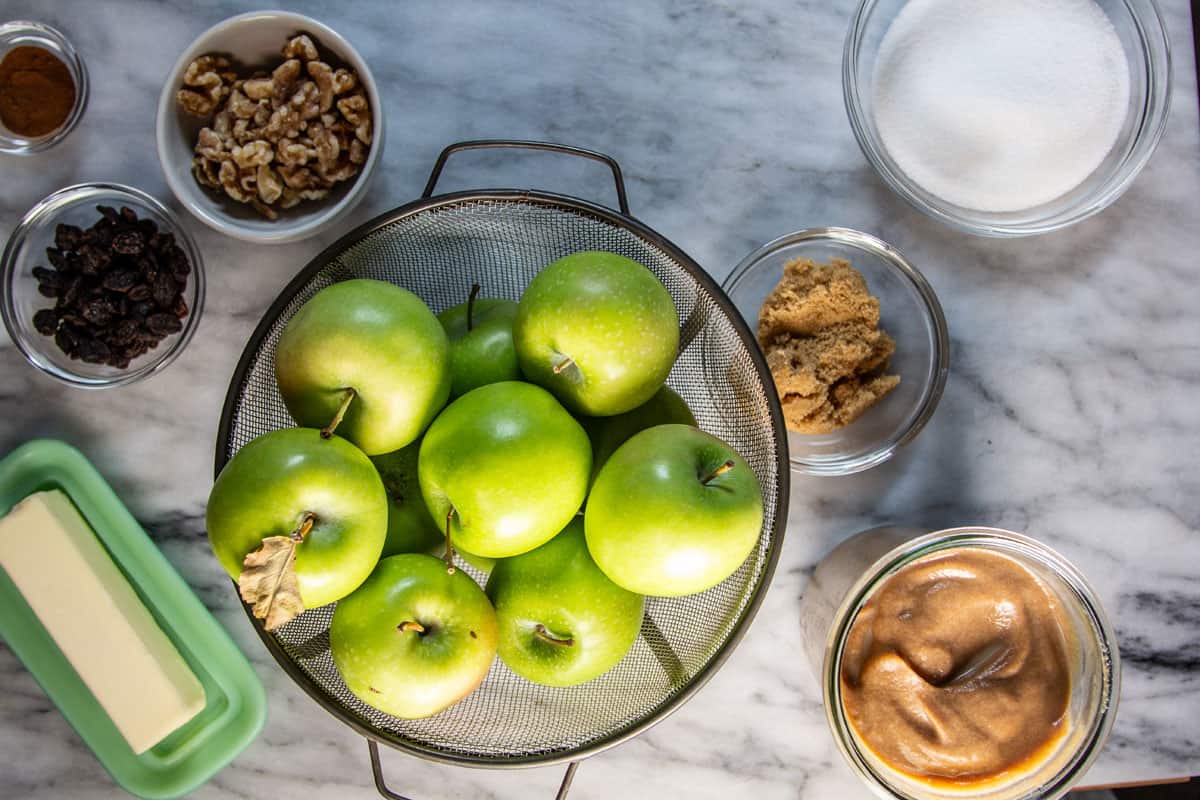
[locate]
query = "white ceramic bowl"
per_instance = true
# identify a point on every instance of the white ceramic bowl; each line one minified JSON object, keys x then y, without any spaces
{"x":255,"y":39}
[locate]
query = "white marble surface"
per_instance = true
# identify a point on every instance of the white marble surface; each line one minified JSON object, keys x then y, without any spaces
{"x":1070,"y":411}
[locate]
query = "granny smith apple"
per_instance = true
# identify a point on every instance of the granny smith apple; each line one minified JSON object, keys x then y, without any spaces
{"x":598,"y":330}
{"x":415,"y":638}
{"x":481,"y":342}
{"x":665,"y":407}
{"x":507,"y":466}
{"x":562,"y":621}
{"x":368,"y":357}
{"x":410,"y":527}
{"x":674,"y":511}
{"x":275,"y":482}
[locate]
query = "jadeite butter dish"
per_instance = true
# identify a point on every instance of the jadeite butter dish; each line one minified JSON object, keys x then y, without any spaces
{"x":233,"y":705}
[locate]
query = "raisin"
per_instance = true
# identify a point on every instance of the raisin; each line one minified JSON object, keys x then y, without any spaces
{"x":48,"y":276}
{"x":142,"y":309}
{"x":129,"y":243}
{"x":139,"y":293}
{"x":56,"y":258}
{"x":67,"y":237}
{"x":109,"y":213}
{"x":120,"y":280}
{"x":125,"y":332}
{"x":163,"y":324}
{"x":128,"y":215}
{"x":95,"y":259}
{"x":66,"y":341}
{"x":180,"y":309}
{"x":46,"y":290}
{"x":164,"y":291}
{"x":93,"y":351}
{"x":162,"y":241}
{"x":98,"y":312}
{"x":45,"y":321}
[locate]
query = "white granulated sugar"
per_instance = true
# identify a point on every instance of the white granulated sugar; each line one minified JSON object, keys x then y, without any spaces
{"x":1000,"y":105}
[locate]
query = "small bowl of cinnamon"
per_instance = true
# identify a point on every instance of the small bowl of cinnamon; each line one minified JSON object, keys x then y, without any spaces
{"x":43,"y":87}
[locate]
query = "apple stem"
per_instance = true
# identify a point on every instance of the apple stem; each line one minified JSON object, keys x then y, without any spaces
{"x":560,"y":366}
{"x":546,"y":636}
{"x":471,"y":305}
{"x":721,"y":470}
{"x":448,"y":557}
{"x":410,"y":626}
{"x":328,"y":430}
{"x":303,"y":526}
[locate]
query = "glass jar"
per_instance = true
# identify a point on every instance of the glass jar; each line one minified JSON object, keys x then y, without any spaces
{"x":848,"y":577}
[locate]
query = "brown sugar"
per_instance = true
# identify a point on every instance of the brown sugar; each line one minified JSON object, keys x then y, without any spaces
{"x":820,"y":331}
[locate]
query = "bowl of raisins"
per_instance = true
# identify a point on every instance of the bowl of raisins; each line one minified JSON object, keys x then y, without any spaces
{"x":102,"y":286}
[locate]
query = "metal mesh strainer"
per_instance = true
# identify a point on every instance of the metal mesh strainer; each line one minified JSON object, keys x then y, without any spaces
{"x":437,"y":247}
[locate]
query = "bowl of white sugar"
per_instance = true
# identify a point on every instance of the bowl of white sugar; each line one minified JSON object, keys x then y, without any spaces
{"x":1007,"y":118}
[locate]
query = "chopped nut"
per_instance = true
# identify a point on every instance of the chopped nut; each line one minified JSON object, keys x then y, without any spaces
{"x":301,"y":47}
{"x":322,"y":75}
{"x":343,"y":81}
{"x":353,"y":108}
{"x":253,"y":154}
{"x":259,"y":88}
{"x":195,"y":103}
{"x":292,"y":153}
{"x":270,"y":187}
{"x":298,"y":177}
{"x":358,"y":152}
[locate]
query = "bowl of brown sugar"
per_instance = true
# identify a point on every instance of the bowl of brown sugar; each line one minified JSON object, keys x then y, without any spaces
{"x":43,"y":87}
{"x":855,"y":339}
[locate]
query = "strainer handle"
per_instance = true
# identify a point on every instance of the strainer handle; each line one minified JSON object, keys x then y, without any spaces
{"x":381,"y":784}
{"x":483,"y":144}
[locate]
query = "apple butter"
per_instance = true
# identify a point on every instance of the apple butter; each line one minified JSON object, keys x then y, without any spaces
{"x":957,"y":669}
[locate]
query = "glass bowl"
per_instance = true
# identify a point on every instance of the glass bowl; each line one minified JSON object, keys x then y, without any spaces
{"x":909,"y":312}
{"x":1140,"y":28}
{"x":16,"y":34}
{"x":26,"y":249}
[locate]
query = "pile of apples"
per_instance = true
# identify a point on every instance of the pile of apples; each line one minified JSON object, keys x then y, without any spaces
{"x":537,"y":439}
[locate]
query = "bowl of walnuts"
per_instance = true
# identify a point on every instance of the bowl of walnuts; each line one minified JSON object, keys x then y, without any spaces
{"x":269,"y":127}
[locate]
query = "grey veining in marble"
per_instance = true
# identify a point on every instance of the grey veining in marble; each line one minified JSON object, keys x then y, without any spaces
{"x":1071,"y":411}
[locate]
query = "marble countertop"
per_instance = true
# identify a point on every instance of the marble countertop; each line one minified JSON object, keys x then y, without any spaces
{"x":1071,"y":410}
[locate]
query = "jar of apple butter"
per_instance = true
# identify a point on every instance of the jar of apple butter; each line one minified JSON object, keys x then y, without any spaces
{"x":966,"y":663}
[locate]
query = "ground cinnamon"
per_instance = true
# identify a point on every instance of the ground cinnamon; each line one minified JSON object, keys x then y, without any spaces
{"x":37,"y":91}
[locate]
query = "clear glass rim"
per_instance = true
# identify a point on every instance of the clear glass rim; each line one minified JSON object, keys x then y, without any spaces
{"x":1152,"y":123}
{"x":16,"y":145}
{"x":45,"y":211}
{"x":934,"y":382}
{"x":995,"y":538}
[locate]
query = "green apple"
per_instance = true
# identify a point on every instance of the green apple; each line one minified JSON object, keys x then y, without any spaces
{"x":415,"y":638}
{"x":675,"y":511}
{"x":279,"y":479}
{"x":609,"y":433}
{"x":562,"y":621}
{"x":598,"y":330}
{"x":481,"y":343}
{"x":507,"y":466}
{"x":368,"y":357}
{"x":410,"y":527}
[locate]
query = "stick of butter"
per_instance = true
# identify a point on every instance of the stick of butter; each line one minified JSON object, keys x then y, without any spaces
{"x":96,"y":619}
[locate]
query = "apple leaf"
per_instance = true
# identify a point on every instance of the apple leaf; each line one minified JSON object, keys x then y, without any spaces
{"x":268,"y":581}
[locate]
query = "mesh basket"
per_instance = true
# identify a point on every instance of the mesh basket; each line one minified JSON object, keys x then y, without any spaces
{"x":437,"y":247}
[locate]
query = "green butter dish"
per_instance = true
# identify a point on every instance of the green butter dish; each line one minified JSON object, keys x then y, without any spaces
{"x":235,"y":703}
